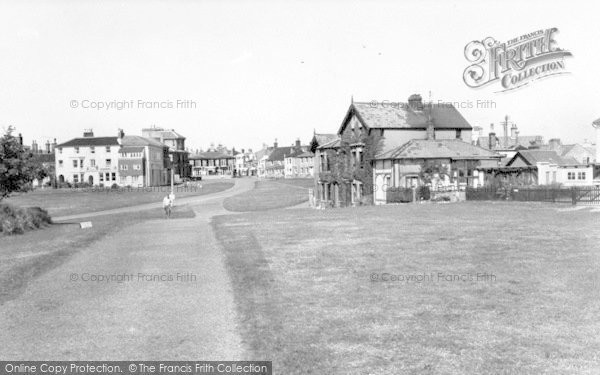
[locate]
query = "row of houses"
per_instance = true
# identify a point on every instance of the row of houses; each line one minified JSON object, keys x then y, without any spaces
{"x":124,"y":160}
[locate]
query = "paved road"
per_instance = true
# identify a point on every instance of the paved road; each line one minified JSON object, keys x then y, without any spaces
{"x":191,"y":318}
{"x":241,"y":185}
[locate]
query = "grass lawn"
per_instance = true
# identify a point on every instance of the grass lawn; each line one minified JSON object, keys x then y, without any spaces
{"x":61,"y":202}
{"x":271,"y":194}
{"x":304,"y":289}
{"x":24,"y":257}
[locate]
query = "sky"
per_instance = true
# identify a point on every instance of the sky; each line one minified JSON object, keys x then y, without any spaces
{"x":251,"y":72}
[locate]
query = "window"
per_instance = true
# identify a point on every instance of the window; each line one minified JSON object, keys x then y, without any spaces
{"x":581,"y":176}
{"x":571,"y":175}
{"x":554,"y":177}
{"x":81,"y":163}
{"x":77,"y":150}
{"x":74,"y":163}
{"x":458,"y":133}
{"x":114,"y":176}
{"x":137,"y":167}
{"x":108,"y":161}
{"x":60,"y":150}
{"x":123,"y":167}
{"x":108,"y":149}
{"x":101,"y":177}
{"x":547,"y":177}
{"x":60,"y":163}
{"x":92,"y":149}
{"x":92,"y":162}
{"x":76,"y":178}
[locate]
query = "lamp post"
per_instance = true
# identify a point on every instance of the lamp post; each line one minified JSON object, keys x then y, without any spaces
{"x":172,"y":173}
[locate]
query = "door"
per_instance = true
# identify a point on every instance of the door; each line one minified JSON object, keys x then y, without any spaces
{"x":91,"y":180}
{"x":381,"y":188}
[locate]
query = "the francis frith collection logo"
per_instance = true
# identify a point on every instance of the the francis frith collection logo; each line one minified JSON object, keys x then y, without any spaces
{"x":514,"y":63}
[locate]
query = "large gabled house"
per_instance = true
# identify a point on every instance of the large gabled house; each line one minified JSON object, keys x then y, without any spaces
{"x":345,"y":165}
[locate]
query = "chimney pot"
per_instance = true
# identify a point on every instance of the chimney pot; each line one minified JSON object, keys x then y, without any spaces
{"x":492,"y":140}
{"x":415,"y":102}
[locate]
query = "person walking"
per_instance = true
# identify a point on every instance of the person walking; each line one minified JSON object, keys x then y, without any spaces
{"x":167,"y":204}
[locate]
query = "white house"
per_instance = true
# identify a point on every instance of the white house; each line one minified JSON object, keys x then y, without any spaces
{"x":92,"y":160}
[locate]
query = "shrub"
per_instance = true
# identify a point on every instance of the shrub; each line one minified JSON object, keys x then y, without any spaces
{"x":114,"y":186}
{"x":16,"y":220}
{"x":423,"y":193}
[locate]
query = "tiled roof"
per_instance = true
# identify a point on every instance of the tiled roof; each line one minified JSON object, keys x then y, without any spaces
{"x":532,"y":157}
{"x":136,"y":140}
{"x":305,"y":154}
{"x":402,"y":116}
{"x":333,"y":144}
{"x":90,"y":141}
{"x":438,"y":149}
{"x":280,"y":152}
{"x":209,"y":155}
{"x":131,"y":149}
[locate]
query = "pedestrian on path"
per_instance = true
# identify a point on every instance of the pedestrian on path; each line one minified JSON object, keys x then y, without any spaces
{"x":167,"y":204}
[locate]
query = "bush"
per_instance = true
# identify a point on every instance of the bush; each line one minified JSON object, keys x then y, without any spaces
{"x":114,"y":186}
{"x":16,"y":220}
{"x":423,"y":193}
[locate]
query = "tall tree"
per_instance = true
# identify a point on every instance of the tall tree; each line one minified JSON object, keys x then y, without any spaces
{"x":17,"y":170}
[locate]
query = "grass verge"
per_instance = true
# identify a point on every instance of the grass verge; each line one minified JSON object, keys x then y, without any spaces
{"x":25,"y":257}
{"x":270,"y":194}
{"x":310,"y":294}
{"x":64,"y":202}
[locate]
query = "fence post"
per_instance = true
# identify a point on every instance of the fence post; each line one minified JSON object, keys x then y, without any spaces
{"x":573,"y":197}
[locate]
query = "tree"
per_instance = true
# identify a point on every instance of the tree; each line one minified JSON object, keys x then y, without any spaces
{"x":17,"y":169}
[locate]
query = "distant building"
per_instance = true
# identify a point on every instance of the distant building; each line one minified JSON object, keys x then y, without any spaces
{"x":540,"y":167}
{"x":505,"y":142}
{"x":245,"y":163}
{"x":92,"y":160}
{"x":275,"y":163}
{"x":212,"y":163}
{"x":177,"y":152}
{"x":299,"y":162}
{"x":121,"y":160}
{"x":143,"y":162}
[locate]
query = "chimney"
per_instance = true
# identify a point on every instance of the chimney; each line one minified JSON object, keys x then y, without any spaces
{"x":298,"y":142}
{"x":47,"y":147}
{"x":513,"y":131}
{"x":492,"y":140}
{"x":516,"y":138}
{"x":53,"y":145}
{"x":120,"y":135}
{"x":88,"y":133}
{"x":275,"y":143}
{"x":34,"y":147}
{"x":415,"y":102}
{"x":20,"y":137}
{"x":554,"y":144}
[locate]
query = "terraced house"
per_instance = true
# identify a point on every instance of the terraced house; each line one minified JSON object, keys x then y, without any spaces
{"x":364,"y":158}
